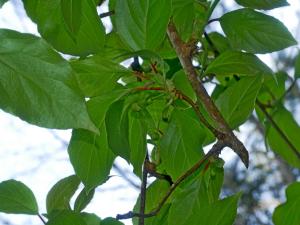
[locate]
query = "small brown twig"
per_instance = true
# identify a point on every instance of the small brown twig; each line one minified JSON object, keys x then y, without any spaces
{"x":106,"y":14}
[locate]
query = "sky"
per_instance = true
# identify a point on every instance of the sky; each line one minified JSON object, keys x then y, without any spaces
{"x":38,"y":156}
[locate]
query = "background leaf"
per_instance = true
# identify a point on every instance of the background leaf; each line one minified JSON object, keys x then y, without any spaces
{"x":83,"y":199}
{"x":71,"y":11}
{"x":263,"y":4}
{"x":111,"y":221}
{"x":297,"y":67}
{"x":255,"y":32}
{"x":142,"y":24}
{"x":48,"y":15}
{"x":37,"y":84}
{"x":58,"y":198}
{"x":66,"y":217}
{"x":17,"y":198}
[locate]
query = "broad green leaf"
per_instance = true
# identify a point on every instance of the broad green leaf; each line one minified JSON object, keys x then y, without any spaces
{"x":142,"y":24}
{"x":286,"y":122}
{"x":58,"y":198}
{"x":182,"y":83}
{"x":97,"y":75}
{"x":263,"y":4}
{"x":66,"y":217}
{"x":288,"y":212}
{"x":71,"y":12}
{"x":54,"y":25}
{"x":297,"y":67}
{"x":220,"y":42}
{"x":117,"y":126}
{"x":37,"y":84}
{"x":239,"y":63}
{"x":83,"y":199}
{"x":255,"y":32}
{"x":91,"y":219}
{"x":181,"y":145}
{"x":17,"y":198}
{"x":2,"y":2}
{"x":155,"y":192}
{"x":237,"y":102}
{"x":183,"y":12}
{"x":111,"y":221}
{"x":91,"y":157}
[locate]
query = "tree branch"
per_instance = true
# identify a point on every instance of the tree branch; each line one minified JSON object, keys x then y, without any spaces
{"x":184,"y":52}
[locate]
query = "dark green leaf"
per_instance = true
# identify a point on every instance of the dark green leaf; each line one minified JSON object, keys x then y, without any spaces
{"x":66,"y":218}
{"x":255,"y":32}
{"x":287,"y":213}
{"x":83,"y":199}
{"x":220,"y":42}
{"x":155,"y":192}
{"x":71,"y":12}
{"x":263,"y":4}
{"x":117,"y":126}
{"x":48,"y":15}
{"x":239,"y":63}
{"x":142,"y":24}
{"x":2,"y":2}
{"x":17,"y":198}
{"x":181,"y":145}
{"x":97,"y":75}
{"x":37,"y":84}
{"x":285,"y":121}
{"x":58,"y":198}
{"x":297,"y":67}
{"x":237,"y":102}
{"x":111,"y":221}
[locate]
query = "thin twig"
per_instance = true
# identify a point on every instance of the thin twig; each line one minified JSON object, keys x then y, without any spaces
{"x":143,"y":194}
{"x":278,"y":129}
{"x":42,"y":219}
{"x":213,"y":20}
{"x":106,"y":14}
{"x":215,"y":150}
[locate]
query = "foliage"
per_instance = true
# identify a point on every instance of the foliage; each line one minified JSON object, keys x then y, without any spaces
{"x":118,"y":111}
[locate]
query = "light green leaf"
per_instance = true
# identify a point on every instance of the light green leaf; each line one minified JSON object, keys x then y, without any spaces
{"x":263,"y":4}
{"x":142,"y":24}
{"x":66,"y":218}
{"x":58,"y":198}
{"x":297,"y":67}
{"x":181,"y":145}
{"x":71,"y":12}
{"x":17,"y":198}
{"x":37,"y":84}
{"x":255,"y":32}
{"x":91,"y":219}
{"x":238,"y":63}
{"x":182,"y":83}
{"x":288,"y":212}
{"x":155,"y":192}
{"x":51,"y":20}
{"x":286,"y":122}
{"x":111,"y":221}
{"x":97,"y":75}
{"x":237,"y":102}
{"x":91,"y":157}
{"x":2,"y":2}
{"x":117,"y":126}
{"x":83,"y":199}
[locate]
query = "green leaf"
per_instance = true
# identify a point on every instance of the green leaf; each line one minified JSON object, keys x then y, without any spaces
{"x":71,"y":12}
{"x":17,"y":198}
{"x":91,"y":219}
{"x":66,"y":218}
{"x":238,"y":63}
{"x":61,"y":28}
{"x":37,"y":84}
{"x":97,"y":75}
{"x":297,"y":67}
{"x":182,"y":83}
{"x":181,"y":145}
{"x":2,"y":2}
{"x":263,"y":4}
{"x":155,"y":192}
{"x":287,"y":213}
{"x":286,"y":122}
{"x":195,"y":201}
{"x":91,"y":157}
{"x":111,"y":221}
{"x":58,"y":198}
{"x":220,"y":42}
{"x":83,"y":199}
{"x":117,"y":125}
{"x":237,"y":102}
{"x":255,"y":32}
{"x":142,"y":24}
